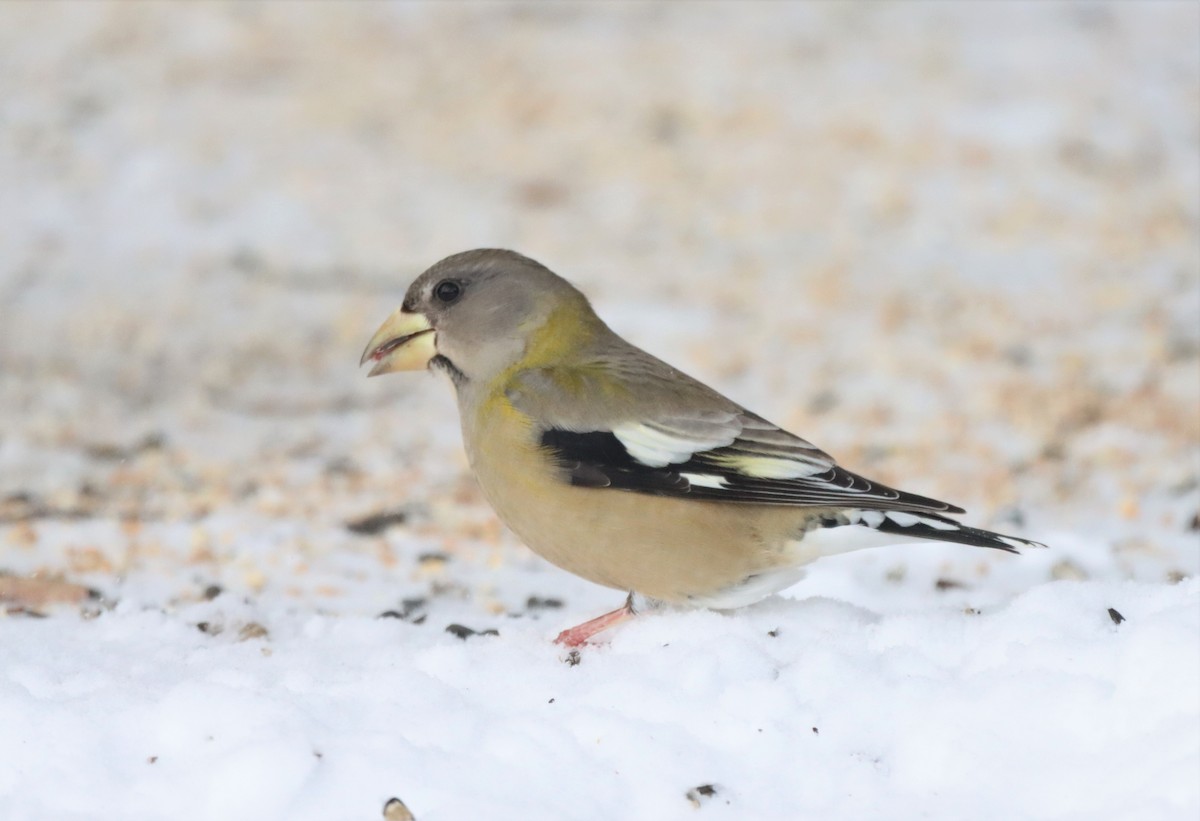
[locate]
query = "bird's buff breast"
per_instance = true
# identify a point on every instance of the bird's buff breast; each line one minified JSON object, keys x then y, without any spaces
{"x":669,"y":549}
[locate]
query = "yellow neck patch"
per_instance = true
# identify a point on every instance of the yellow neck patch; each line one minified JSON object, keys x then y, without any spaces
{"x":569,"y":329}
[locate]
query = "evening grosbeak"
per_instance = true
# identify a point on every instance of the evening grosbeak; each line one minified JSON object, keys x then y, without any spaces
{"x":619,"y":468}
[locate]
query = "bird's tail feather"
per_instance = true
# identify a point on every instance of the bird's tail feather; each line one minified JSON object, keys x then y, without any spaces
{"x":941,"y":529}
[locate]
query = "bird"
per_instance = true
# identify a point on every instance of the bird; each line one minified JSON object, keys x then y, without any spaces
{"x":619,"y":468}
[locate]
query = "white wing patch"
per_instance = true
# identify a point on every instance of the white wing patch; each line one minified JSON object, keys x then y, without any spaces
{"x":706,"y":480}
{"x":766,"y":452}
{"x":656,"y":445}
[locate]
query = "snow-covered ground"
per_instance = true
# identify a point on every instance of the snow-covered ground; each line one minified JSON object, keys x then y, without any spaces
{"x":956,"y":245}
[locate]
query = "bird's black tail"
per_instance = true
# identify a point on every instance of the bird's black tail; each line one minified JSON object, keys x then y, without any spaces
{"x":941,"y":529}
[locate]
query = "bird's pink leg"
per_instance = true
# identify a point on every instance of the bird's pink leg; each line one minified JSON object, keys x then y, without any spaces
{"x":580,"y":633}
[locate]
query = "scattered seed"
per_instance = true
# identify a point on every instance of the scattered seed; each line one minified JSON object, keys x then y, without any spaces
{"x":407,"y":608}
{"x":1054,"y":451}
{"x":252,"y":630}
{"x":115,"y":453}
{"x":341,"y":466}
{"x":773,"y":633}
{"x":1067,"y":570}
{"x":24,"y":611}
{"x":816,"y":731}
{"x":212,"y":591}
{"x":1186,"y":485}
{"x":573,"y":658}
{"x":245,"y":490}
{"x":537,"y":603}
{"x":665,"y":125}
{"x":395,"y":810}
{"x":376,"y":523}
{"x":22,"y":508}
{"x":695,"y":794}
{"x":449,"y":588}
{"x":1014,"y":516}
{"x":948,"y":584}
{"x":1019,"y":355}
{"x":34,"y":591}
{"x":541,"y":193}
{"x":463,"y":632}
{"x":823,"y":402}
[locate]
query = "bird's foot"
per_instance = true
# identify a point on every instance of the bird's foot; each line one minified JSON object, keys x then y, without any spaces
{"x":580,"y":633}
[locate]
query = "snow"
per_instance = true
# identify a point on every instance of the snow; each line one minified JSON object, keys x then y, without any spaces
{"x":953,"y":245}
{"x":815,"y":707}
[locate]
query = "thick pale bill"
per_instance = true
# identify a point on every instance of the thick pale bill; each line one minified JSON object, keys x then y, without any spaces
{"x":404,"y":342}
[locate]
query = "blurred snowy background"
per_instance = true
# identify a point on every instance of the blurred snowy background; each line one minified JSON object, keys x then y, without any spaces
{"x":956,"y":245}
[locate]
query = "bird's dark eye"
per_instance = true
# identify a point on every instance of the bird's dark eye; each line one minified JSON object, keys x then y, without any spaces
{"x":447,"y":291}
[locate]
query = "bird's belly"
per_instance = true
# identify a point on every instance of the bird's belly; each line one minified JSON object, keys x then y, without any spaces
{"x":675,"y":550}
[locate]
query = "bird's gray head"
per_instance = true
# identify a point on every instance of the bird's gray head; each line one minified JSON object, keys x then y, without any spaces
{"x":477,"y":313}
